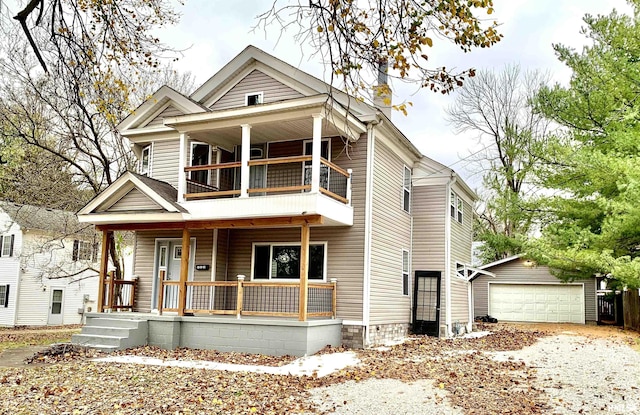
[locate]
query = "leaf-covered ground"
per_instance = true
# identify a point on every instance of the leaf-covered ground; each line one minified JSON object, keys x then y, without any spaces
{"x":74,"y":385}
{"x":14,"y":337}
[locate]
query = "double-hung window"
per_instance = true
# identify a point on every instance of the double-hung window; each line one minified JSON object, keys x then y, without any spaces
{"x":6,"y":245}
{"x":83,"y":250}
{"x":145,"y":161}
{"x":279,"y":261}
{"x":457,"y":207}
{"x":4,"y":295}
{"x":405,"y":272}
{"x":406,"y":189}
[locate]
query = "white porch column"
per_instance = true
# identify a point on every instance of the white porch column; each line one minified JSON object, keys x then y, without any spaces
{"x":245,"y":156}
{"x":182,"y":162}
{"x":316,"y":152}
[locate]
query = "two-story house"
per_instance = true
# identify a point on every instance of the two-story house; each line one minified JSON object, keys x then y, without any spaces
{"x":276,"y":214}
{"x":44,"y":259}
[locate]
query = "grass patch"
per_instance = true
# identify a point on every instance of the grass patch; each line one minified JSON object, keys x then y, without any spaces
{"x":12,"y":339}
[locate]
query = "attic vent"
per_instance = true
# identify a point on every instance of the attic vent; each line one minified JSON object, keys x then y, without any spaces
{"x":254,"y":98}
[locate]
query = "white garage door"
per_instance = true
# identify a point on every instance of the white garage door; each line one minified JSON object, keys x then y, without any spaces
{"x":545,"y":303}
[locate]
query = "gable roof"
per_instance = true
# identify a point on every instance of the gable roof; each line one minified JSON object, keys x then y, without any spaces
{"x":156,"y":103}
{"x":45,"y":219}
{"x":161,"y":193}
{"x":296,"y":78}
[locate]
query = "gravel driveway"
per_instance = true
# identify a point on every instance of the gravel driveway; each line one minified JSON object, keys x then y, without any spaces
{"x":577,"y":375}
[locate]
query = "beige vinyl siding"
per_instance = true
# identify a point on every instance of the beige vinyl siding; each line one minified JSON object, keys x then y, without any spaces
{"x":256,"y":81}
{"x":515,"y":271}
{"x":145,"y":254}
{"x":168,"y":112}
{"x":222,"y":255}
{"x":390,"y":234}
{"x":134,"y":200}
{"x":289,"y":174}
{"x":164,"y":164}
{"x":429,"y":210}
{"x":461,"y":240}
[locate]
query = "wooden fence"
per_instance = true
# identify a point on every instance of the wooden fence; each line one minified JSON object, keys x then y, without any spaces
{"x":631,"y":307}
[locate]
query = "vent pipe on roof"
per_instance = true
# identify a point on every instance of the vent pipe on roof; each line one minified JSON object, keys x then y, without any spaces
{"x":382,"y":91}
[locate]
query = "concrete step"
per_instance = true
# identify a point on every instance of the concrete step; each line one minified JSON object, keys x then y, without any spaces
{"x":113,"y":322}
{"x":94,"y":339}
{"x":107,"y":331}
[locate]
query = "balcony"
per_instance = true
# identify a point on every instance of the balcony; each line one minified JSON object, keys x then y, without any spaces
{"x":281,"y":186}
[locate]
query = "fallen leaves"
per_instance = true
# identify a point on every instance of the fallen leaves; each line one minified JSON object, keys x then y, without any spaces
{"x":474,"y":381}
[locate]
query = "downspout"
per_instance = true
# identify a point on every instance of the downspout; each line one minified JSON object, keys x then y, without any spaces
{"x":470,"y":302}
{"x":447,"y":255}
{"x":366,"y":283}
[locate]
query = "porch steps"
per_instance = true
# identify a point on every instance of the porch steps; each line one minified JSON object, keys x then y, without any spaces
{"x":110,"y":334}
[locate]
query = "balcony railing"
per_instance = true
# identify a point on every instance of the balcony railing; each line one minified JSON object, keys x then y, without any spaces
{"x":249,"y":298}
{"x":119,"y":294}
{"x":266,"y":177}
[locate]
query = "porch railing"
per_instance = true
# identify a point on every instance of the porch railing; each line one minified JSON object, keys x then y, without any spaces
{"x":267,"y":176}
{"x":119,"y":294}
{"x":246,"y":298}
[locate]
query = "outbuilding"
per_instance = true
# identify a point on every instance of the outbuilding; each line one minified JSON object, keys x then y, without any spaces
{"x":524,"y":291}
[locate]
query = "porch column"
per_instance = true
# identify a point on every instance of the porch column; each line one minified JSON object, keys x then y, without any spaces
{"x":304,"y":272}
{"x":184,"y":270}
{"x":182,"y":163}
{"x":104,"y":263}
{"x":316,"y":147}
{"x":245,"y":156}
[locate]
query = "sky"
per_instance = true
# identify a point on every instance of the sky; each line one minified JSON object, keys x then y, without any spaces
{"x":213,"y":32}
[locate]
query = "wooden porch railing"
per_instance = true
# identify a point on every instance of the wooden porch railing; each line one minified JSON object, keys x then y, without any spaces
{"x":281,"y":175}
{"x":119,"y":294}
{"x":249,"y":298}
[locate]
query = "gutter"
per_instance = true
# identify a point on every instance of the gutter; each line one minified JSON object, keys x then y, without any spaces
{"x":447,"y":255}
{"x":368,"y":219}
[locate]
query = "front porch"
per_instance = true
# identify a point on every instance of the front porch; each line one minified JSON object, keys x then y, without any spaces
{"x":258,"y":335}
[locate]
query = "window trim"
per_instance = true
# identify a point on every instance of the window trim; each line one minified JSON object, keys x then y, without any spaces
{"x":141,"y":168}
{"x":3,"y":239}
{"x":406,"y":291}
{"x":455,"y":205}
{"x":4,"y":296}
{"x":251,"y":94}
{"x":80,"y":249}
{"x":406,"y":190}
{"x":271,"y":245}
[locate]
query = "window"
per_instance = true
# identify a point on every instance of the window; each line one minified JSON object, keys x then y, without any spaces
{"x":83,"y":250}
{"x":405,"y":272}
{"x":457,"y":206}
{"x":145,"y":161}
{"x":177,"y":252}
{"x":253,"y":98}
{"x":406,"y":189}
{"x":282,"y":261}
{"x":4,"y":296}
{"x":6,"y":244}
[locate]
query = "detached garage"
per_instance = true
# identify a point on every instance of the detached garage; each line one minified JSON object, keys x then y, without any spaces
{"x":521,"y":291}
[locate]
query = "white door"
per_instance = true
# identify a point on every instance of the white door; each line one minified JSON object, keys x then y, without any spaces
{"x":55,"y":307}
{"x":552,"y":303}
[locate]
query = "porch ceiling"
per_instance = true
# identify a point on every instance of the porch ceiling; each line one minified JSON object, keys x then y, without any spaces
{"x":300,"y":128}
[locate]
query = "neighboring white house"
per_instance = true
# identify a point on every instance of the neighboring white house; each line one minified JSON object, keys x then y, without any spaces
{"x":44,"y":259}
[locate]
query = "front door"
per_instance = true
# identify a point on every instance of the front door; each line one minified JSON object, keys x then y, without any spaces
{"x":426,"y":303}
{"x":55,"y":307}
{"x":169,"y":254}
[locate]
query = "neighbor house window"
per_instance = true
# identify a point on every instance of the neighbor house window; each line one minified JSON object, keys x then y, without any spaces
{"x":6,"y":244}
{"x":282,"y":261}
{"x":4,"y":296}
{"x":254,"y":98}
{"x":82,"y":250}
{"x":405,"y":272}
{"x":145,"y":161}
{"x":457,"y":207}
{"x":406,"y":189}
